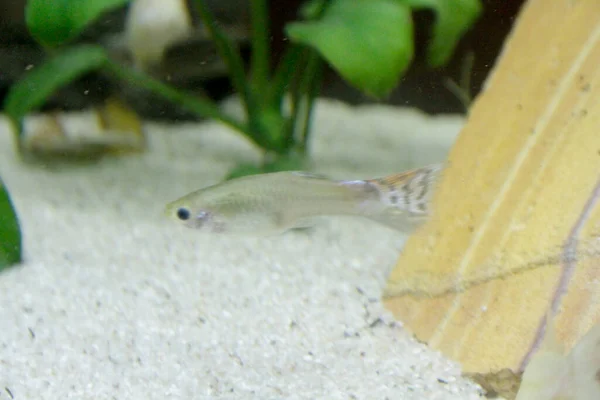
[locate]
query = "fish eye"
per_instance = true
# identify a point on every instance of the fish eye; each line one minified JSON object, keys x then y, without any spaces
{"x":183,"y":214}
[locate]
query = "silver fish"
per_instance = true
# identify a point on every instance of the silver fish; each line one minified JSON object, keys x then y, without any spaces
{"x":273,"y":203}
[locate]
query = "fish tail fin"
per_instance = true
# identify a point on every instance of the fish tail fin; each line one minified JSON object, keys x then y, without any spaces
{"x":404,"y":199}
{"x":409,"y":191}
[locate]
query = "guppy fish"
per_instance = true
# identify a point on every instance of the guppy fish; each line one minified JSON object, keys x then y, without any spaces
{"x":272,"y":203}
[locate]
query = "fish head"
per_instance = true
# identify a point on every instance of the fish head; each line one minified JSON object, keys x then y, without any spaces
{"x":194,"y":216}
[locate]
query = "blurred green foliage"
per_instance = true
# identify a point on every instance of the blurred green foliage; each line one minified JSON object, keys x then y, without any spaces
{"x":67,"y":65}
{"x":10,"y":232}
{"x":369,"y":43}
{"x":56,"y":22}
{"x":453,"y":19}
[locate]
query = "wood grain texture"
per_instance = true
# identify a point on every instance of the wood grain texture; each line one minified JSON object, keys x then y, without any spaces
{"x":518,"y":200}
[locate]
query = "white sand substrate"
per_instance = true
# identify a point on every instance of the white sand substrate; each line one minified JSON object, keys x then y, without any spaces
{"x":114,"y":301}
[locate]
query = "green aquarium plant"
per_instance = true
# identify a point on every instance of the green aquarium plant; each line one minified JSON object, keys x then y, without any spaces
{"x":368,"y":42}
{"x":10,"y":232}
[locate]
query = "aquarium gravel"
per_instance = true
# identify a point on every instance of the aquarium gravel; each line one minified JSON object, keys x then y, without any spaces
{"x":115,"y":302}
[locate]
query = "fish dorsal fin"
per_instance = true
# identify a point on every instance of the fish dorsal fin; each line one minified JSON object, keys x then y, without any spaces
{"x":311,"y":175}
{"x":409,"y":191}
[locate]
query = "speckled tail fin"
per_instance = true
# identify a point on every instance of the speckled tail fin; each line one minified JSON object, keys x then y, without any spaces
{"x":406,"y":197}
{"x":409,"y":191}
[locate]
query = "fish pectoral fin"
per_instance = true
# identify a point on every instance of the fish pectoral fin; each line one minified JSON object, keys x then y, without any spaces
{"x":285,"y":221}
{"x":282,"y":220}
{"x":304,"y":230}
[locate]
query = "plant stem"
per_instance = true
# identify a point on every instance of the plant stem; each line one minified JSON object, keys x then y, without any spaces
{"x":462,"y":90}
{"x":296,"y":96}
{"x":230,"y":56}
{"x":199,"y":106}
{"x":284,"y":74}
{"x":310,"y":85}
{"x":260,"y":45}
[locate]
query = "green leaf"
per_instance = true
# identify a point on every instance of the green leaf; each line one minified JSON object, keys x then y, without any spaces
{"x":42,"y":81}
{"x":10,"y":233}
{"x":369,"y":42}
{"x":55,"y":22}
{"x":311,"y":8}
{"x":453,"y":19}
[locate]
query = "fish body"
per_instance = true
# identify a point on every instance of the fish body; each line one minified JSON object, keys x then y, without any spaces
{"x":273,"y":203}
